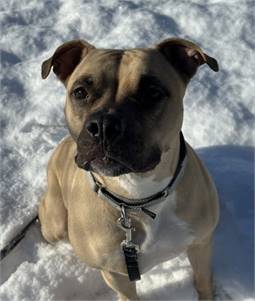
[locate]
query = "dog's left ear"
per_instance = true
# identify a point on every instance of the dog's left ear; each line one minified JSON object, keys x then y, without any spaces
{"x":65,"y":59}
{"x":185,"y":57}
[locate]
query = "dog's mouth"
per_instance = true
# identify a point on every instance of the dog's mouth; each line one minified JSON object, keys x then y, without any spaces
{"x":104,"y":164}
{"x":113,"y":166}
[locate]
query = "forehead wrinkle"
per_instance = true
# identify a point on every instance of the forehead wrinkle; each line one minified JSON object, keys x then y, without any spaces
{"x":130,"y":69}
{"x":108,"y":66}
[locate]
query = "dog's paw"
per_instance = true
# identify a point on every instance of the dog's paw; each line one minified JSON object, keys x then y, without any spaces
{"x":53,"y":236}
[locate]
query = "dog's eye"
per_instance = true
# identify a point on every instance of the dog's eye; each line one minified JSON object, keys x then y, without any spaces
{"x":156,"y":93}
{"x":151,"y":95}
{"x":80,"y":94}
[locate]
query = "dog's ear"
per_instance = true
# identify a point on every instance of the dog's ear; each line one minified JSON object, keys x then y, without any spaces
{"x":66,"y":58}
{"x":185,"y":56}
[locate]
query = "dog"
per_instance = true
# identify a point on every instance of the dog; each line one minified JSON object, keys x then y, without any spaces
{"x":125,"y":188}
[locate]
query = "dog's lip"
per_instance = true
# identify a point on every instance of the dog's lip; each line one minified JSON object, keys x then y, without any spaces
{"x":105,"y":160}
{"x":113,"y":160}
{"x":108,"y":160}
{"x":82,"y":164}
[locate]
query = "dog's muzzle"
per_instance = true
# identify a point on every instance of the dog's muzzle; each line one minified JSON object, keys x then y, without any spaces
{"x":109,"y":143}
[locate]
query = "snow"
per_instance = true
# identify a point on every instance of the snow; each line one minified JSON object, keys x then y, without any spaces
{"x":219,"y":123}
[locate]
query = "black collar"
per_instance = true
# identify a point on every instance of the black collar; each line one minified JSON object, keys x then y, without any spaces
{"x":140,"y":204}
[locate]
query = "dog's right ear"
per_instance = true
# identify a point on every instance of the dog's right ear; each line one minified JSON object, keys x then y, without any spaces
{"x":66,"y":58}
{"x":185,"y":56}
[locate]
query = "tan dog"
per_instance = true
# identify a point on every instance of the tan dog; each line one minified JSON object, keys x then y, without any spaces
{"x":124,"y":111}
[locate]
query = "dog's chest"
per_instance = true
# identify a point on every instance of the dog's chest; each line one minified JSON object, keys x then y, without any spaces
{"x":165,"y":237}
{"x":96,"y":237}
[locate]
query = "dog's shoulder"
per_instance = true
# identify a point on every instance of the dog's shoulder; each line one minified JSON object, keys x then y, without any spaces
{"x":197,"y":202}
{"x":61,"y":154}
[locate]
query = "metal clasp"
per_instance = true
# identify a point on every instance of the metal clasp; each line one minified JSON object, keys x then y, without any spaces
{"x":124,"y":217}
{"x":124,"y":222}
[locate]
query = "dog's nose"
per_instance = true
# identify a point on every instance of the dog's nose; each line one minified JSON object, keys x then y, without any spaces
{"x":112,"y":127}
{"x":107,"y":128}
{"x":93,"y":127}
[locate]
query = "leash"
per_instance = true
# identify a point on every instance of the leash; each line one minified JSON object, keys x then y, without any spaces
{"x":13,"y":243}
{"x":129,"y":248}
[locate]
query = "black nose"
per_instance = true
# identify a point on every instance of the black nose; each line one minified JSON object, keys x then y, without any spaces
{"x":107,"y":128}
{"x":112,"y":127}
{"x":93,"y":127}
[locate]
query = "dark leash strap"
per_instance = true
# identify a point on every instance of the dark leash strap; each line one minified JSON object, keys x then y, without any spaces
{"x":13,"y":243}
{"x":131,"y":259}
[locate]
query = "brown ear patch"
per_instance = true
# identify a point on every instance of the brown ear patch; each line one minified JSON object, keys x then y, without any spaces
{"x":185,"y":56}
{"x":65,"y":59}
{"x":64,"y":64}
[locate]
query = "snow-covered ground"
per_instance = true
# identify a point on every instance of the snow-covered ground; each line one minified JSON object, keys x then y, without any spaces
{"x":219,"y":123}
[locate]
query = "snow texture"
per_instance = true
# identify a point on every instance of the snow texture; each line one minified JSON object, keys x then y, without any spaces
{"x":219,"y":123}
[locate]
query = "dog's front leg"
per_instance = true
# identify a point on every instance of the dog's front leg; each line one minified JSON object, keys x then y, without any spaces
{"x":125,"y":289}
{"x":52,"y":212}
{"x":200,"y":258}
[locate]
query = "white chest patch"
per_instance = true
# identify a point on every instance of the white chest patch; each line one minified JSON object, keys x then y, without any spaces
{"x":142,"y":187}
{"x":166,"y":236}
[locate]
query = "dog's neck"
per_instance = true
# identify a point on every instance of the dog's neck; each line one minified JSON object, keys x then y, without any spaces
{"x":142,"y":185}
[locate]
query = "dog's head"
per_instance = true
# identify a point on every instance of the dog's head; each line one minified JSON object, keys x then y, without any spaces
{"x":124,"y":107}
